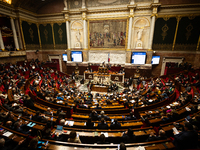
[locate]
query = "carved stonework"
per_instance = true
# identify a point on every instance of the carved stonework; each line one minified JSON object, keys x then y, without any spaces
{"x":77,"y":34}
{"x":141,"y":31}
{"x":98,"y":57}
{"x":117,"y":58}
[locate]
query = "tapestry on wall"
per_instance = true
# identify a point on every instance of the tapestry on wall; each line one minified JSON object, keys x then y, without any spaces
{"x":164,"y":33}
{"x":46,"y":36}
{"x":188,"y":33}
{"x":60,"y":35}
{"x":30,"y":33}
{"x":107,"y":33}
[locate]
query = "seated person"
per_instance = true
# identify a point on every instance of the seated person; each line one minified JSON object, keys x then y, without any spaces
{"x":122,"y":146}
{"x":73,"y":138}
{"x":38,"y":117}
{"x":89,"y":123}
{"x":19,"y":127}
{"x":102,"y":124}
{"x":131,"y":117}
{"x":98,"y":107}
{"x":102,"y":115}
{"x":187,"y":139}
{"x":93,"y":115}
{"x":128,"y":136}
{"x":115,"y":124}
{"x":102,"y":140}
{"x":153,"y":137}
{"x":49,"y":111}
{"x":8,"y":144}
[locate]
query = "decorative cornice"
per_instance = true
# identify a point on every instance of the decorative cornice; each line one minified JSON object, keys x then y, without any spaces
{"x":83,"y":9}
{"x":132,"y":6}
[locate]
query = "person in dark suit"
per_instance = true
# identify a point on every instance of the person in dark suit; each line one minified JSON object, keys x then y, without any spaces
{"x":122,"y":146}
{"x":102,"y":140}
{"x":7,"y":106}
{"x":128,"y":136}
{"x":187,"y":139}
{"x":37,"y":117}
{"x":20,"y":128}
{"x":8,"y":144}
{"x":102,"y":115}
{"x":94,"y":115}
{"x":115,"y":124}
{"x":102,"y":124}
{"x":89,"y":124}
{"x":131,"y":117}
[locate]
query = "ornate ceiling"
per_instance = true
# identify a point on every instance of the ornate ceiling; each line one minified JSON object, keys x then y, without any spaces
{"x":36,"y":5}
{"x":31,"y":5}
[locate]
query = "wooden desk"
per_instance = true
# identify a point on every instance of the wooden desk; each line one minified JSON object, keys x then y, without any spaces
{"x":116,"y":77}
{"x":99,"y":88}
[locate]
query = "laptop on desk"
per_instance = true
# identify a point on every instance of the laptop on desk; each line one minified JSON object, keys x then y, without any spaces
{"x":59,"y":129}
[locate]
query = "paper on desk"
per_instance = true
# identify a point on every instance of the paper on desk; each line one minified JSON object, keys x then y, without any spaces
{"x":66,"y":122}
{"x":7,"y":134}
{"x":105,"y":133}
{"x":132,"y":101}
{"x":71,"y":123}
{"x":141,"y":148}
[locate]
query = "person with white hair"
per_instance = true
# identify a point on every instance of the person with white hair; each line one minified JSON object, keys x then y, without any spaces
{"x":102,"y":115}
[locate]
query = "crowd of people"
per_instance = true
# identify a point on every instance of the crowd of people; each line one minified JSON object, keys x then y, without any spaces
{"x":51,"y":86}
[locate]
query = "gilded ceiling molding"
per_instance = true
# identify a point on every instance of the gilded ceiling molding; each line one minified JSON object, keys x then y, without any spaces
{"x":120,"y":11}
{"x":108,"y":17}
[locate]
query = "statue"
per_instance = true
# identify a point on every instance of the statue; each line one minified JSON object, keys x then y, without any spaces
{"x":65,"y":3}
{"x":139,"y":37}
{"x":78,"y":35}
{"x":139,"y":33}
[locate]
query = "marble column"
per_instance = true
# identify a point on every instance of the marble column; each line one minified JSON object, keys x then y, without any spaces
{"x":68,"y":34}
{"x":129,"y":33}
{"x":19,"y":34}
{"x":151,"y":32}
{"x":14,"y":33}
{"x":85,"y":34}
{"x":1,"y":42}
